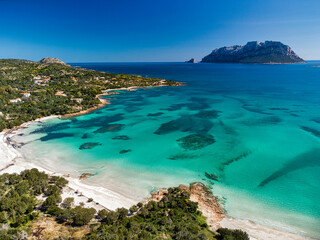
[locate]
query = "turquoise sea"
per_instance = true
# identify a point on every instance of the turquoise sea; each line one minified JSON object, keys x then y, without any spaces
{"x":250,"y":132}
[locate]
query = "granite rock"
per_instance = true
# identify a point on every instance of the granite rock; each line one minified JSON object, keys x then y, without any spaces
{"x":254,"y":52}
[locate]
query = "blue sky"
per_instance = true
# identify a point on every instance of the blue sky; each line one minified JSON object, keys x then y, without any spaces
{"x":150,"y":30}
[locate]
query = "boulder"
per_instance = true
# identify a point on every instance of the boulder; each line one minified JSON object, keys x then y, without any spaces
{"x":192,"y":60}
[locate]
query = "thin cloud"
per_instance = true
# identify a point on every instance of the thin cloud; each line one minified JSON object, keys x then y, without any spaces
{"x":270,"y":22}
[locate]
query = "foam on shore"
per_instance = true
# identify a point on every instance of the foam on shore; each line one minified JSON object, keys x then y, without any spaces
{"x":12,"y":161}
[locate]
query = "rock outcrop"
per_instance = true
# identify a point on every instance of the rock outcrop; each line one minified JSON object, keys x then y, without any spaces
{"x":208,"y":204}
{"x":192,"y":60}
{"x":254,"y":52}
{"x":49,"y":60}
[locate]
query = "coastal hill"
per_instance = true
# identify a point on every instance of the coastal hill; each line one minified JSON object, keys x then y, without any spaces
{"x":49,"y":60}
{"x":254,"y":52}
{"x":31,"y":90}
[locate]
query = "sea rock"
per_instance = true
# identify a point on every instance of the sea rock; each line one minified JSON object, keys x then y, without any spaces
{"x":121,"y":137}
{"x":182,"y":156}
{"x":316,"y":119}
{"x":49,"y":60}
{"x":211,"y":176}
{"x":85,"y":175}
{"x":168,"y":127}
{"x":110,"y":128}
{"x":87,"y":135}
{"x":192,"y":60}
{"x":208,"y":114}
{"x":297,"y":163}
{"x":125,"y":151}
{"x":196,"y":141}
{"x":185,"y":123}
{"x":313,"y":131}
{"x":155,"y":114}
{"x":278,"y":109}
{"x":49,"y":128}
{"x":208,"y":204}
{"x":51,"y":136}
{"x":89,"y":145}
{"x":254,"y":52}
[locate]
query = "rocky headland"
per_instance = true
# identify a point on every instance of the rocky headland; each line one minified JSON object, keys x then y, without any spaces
{"x":49,"y":60}
{"x":192,"y":60}
{"x":268,"y":52}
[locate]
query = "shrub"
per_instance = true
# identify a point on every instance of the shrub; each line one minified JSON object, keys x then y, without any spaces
{"x":133,"y":209}
{"x":53,"y":189}
{"x":229,"y":234}
{"x":123,"y":212}
{"x":102,"y":213}
{"x":82,"y":216}
{"x":68,"y":202}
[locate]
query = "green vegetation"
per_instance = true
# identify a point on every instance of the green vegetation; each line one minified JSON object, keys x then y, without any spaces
{"x":228,"y":234}
{"x":18,"y":202}
{"x":173,"y":217}
{"x":78,"y":89}
{"x":26,"y":196}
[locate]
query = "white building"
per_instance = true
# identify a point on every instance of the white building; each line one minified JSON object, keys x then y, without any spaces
{"x":60,"y":94}
{"x":26,"y":95}
{"x":78,"y":100}
{"x":15,"y":100}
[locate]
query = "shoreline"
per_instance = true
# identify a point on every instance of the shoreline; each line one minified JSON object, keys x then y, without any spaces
{"x":104,"y":102}
{"x":12,"y":161}
{"x":105,"y":198}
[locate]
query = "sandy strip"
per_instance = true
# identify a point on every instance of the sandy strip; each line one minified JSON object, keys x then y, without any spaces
{"x":258,"y":231}
{"x":11,"y":161}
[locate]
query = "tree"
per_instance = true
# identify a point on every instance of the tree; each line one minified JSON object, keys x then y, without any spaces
{"x":111,"y":217}
{"x":102,"y":213}
{"x":82,"y":216}
{"x":51,"y":201}
{"x":229,"y":234}
{"x":64,"y":215}
{"x":133,"y":209}
{"x":53,"y":189}
{"x":68,"y":202}
{"x":123,"y":212}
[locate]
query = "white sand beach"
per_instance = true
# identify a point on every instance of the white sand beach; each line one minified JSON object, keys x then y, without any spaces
{"x":258,"y":231}
{"x":11,"y":161}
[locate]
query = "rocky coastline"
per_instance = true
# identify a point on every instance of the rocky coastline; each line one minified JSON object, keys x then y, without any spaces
{"x":216,"y":217}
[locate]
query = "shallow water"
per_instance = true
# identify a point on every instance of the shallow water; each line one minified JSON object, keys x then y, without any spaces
{"x":254,"y":129}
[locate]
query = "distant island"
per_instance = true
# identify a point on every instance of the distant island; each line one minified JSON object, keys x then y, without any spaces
{"x":31,"y":90}
{"x":268,"y":52}
{"x":192,"y":60}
